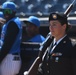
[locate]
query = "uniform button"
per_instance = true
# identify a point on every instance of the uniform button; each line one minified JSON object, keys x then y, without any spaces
{"x":47,"y":71}
{"x":48,"y":56}
{"x":47,"y":64}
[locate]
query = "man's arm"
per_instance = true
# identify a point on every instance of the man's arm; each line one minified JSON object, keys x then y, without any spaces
{"x":11,"y":33}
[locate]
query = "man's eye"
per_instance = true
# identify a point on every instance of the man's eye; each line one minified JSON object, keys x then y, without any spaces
{"x":53,"y":25}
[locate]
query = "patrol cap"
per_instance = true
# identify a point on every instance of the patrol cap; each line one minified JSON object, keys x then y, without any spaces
{"x":34,"y":20}
{"x":1,"y":15}
{"x":57,"y":16}
{"x":9,"y":5}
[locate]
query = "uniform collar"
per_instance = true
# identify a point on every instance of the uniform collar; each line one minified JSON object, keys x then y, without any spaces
{"x":57,"y":42}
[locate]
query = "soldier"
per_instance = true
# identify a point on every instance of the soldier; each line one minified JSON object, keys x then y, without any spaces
{"x":59,"y":58}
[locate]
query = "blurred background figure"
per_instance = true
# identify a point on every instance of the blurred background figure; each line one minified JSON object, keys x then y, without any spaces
{"x":2,"y":22}
{"x":11,"y":35}
{"x":32,"y":35}
{"x":32,"y":30}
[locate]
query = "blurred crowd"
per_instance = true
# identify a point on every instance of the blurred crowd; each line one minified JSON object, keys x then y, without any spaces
{"x":41,"y":7}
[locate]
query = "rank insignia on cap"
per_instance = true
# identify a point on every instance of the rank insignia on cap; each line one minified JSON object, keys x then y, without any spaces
{"x":54,"y":16}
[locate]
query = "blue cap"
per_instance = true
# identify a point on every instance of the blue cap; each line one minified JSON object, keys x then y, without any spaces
{"x":34,"y":20}
{"x":1,"y":15}
{"x":9,"y":5}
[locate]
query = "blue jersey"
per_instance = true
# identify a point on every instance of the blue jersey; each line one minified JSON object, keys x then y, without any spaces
{"x":16,"y":45}
{"x":38,"y":38}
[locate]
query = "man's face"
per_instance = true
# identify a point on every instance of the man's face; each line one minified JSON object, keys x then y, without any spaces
{"x":7,"y":13}
{"x":31,"y":29}
{"x":56,"y":28}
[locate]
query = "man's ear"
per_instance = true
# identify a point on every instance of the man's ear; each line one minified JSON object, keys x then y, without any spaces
{"x":69,"y":26}
{"x":64,"y":26}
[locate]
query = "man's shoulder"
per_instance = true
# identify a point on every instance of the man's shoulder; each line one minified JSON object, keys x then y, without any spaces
{"x":12,"y":22}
